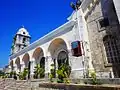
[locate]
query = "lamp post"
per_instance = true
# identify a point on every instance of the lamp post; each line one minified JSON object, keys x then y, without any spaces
{"x":76,"y":8}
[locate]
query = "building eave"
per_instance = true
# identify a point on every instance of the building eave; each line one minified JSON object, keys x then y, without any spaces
{"x":44,"y":39}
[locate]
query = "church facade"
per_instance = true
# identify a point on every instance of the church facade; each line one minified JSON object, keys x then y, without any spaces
{"x":89,"y":41}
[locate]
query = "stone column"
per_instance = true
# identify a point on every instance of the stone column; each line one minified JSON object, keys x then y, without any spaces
{"x":32,"y":68}
{"x":10,"y":68}
{"x":17,"y":71}
{"x":48,"y":62}
{"x":22,"y":67}
{"x":15,"y":68}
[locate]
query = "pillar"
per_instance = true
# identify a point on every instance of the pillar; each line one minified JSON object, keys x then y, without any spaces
{"x":22,"y":67}
{"x":15,"y":68}
{"x":48,"y":62}
{"x":32,"y":66}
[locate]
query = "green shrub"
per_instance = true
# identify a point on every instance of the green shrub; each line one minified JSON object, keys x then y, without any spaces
{"x":64,"y":73}
{"x":38,"y":72}
{"x":52,"y":73}
{"x":95,"y":81}
{"x":23,"y":75}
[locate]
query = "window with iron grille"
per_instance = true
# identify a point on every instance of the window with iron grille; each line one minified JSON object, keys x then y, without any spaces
{"x":111,"y":47}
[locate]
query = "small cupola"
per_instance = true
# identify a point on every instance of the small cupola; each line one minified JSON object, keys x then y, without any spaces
{"x":23,"y":31}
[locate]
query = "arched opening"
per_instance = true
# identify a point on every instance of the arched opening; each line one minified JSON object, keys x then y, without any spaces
{"x":57,"y":45}
{"x":26,"y":59}
{"x":112,"y":53}
{"x":17,"y":62}
{"x":42,"y":62}
{"x":59,"y":54}
{"x":38,"y":55}
{"x":62,"y":58}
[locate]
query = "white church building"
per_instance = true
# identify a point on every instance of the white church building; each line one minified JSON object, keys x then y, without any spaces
{"x":53,"y":46}
{"x":69,"y":41}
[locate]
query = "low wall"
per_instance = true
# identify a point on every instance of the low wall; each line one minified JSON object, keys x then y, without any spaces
{"x":45,"y":84}
{"x":115,"y":81}
{"x":56,"y":86}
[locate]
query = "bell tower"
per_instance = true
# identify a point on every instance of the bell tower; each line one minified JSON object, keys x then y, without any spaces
{"x":20,"y":40}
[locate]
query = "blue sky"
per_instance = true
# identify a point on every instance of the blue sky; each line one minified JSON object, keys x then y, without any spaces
{"x":38,"y":16}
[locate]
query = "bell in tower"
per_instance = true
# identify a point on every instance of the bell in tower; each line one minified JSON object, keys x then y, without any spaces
{"x":21,"y":40}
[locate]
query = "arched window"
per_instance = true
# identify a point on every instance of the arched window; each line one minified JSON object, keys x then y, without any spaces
{"x":111,"y":48}
{"x":23,"y":32}
{"x":24,"y":39}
